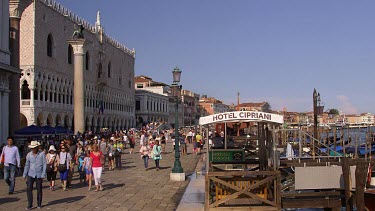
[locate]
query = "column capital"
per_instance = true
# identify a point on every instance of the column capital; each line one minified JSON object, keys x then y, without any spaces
{"x":16,"y":7}
{"x":77,"y":45}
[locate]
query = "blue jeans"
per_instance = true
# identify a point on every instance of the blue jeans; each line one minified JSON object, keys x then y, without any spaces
{"x":145,"y":159}
{"x":9,"y":176}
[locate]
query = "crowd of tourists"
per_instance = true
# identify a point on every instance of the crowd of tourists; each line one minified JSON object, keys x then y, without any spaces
{"x":87,"y":154}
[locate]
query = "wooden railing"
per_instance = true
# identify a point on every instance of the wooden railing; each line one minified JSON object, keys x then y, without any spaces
{"x":257,"y":189}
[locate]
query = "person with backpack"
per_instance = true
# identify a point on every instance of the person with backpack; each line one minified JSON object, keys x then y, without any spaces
{"x":81,"y":171}
{"x":63,"y":167}
{"x":53,"y":161}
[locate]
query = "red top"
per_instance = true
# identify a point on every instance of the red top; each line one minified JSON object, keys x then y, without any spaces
{"x":96,"y":159}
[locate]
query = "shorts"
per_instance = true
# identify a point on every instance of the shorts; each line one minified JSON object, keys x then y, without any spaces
{"x":88,"y":171}
{"x":51,"y":176}
{"x":110,"y":158}
{"x":64,"y":175}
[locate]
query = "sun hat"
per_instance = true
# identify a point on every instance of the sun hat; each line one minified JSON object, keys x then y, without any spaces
{"x":52,"y":148}
{"x":96,"y":137}
{"x":34,"y":144}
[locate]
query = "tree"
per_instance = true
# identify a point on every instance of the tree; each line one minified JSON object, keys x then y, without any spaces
{"x":334,"y":111}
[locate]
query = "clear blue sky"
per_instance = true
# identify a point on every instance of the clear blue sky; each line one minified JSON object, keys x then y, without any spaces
{"x":270,"y":50}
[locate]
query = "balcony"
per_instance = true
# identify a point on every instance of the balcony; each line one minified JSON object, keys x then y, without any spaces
{"x":25,"y":102}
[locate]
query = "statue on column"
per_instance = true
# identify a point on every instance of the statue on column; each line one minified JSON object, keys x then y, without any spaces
{"x":78,"y":33}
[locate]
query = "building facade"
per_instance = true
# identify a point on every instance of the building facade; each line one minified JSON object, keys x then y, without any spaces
{"x":151,"y":107}
{"x":212,"y":105}
{"x":367,"y":119}
{"x":160,"y":90}
{"x":263,"y":106}
{"x":6,"y":73}
{"x":190,"y":100}
{"x":47,"y":63}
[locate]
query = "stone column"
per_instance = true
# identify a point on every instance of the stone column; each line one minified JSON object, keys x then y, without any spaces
{"x":79,"y":85}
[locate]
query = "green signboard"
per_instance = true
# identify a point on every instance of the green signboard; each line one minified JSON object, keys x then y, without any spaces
{"x":226,"y":156}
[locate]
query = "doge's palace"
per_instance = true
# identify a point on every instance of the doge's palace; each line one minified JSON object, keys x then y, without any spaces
{"x":47,"y":63}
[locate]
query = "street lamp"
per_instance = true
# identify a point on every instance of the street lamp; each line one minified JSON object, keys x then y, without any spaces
{"x":176,"y":92}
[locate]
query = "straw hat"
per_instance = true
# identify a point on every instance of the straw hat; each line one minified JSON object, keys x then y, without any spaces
{"x":34,"y":144}
{"x":52,"y":148}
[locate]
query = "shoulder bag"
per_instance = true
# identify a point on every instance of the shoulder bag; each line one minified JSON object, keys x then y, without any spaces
{"x":51,"y":166}
{"x":63,"y":167}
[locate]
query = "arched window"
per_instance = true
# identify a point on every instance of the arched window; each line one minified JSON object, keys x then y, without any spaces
{"x":109,"y":70}
{"x":100,"y":69}
{"x":87,"y":64}
{"x":25,"y":91}
{"x":49,"y":45}
{"x":70,"y":54}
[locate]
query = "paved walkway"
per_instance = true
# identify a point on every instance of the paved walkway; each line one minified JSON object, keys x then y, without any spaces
{"x":132,"y":188}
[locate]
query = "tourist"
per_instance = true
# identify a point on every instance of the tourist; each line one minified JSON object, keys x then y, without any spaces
{"x":163,"y":143}
{"x":131,"y":143}
{"x":97,"y":167}
{"x":72,"y":149}
{"x":118,"y":148}
{"x":183,"y":145}
{"x":110,"y":155}
{"x":35,"y":171}
{"x":142,"y":139}
{"x":189,"y":137}
{"x":145,"y":151}
{"x":88,"y":169}
{"x":156,"y":151}
{"x":65,"y":159}
{"x":103,"y":148}
{"x":198,"y":139}
{"x":81,"y":171}
{"x":11,"y":158}
{"x":53,"y":161}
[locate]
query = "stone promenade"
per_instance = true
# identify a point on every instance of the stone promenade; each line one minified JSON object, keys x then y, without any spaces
{"x":132,"y":188}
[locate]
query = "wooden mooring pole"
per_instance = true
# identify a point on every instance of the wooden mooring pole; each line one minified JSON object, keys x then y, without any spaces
{"x":360,"y":181}
{"x":347,"y":183}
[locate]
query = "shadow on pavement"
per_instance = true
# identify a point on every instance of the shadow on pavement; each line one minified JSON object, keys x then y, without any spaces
{"x":65,"y":200}
{"x":8,"y":200}
{"x":112,"y":186}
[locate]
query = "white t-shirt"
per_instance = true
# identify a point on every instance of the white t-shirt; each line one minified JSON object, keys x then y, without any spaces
{"x":142,"y":140}
{"x":190,"y":134}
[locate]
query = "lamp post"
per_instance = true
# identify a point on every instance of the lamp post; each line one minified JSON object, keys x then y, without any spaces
{"x":177,"y":171}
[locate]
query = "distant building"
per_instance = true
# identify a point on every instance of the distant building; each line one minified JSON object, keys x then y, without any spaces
{"x":353,"y":119}
{"x":159,"y":93}
{"x":190,"y":100}
{"x":212,"y":105}
{"x":151,"y":107}
{"x":367,"y":119}
{"x":263,"y":106}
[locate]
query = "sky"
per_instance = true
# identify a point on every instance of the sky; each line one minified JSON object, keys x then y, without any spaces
{"x":268,"y":50}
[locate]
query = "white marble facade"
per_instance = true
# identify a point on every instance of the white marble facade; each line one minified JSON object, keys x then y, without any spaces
{"x":47,"y":63}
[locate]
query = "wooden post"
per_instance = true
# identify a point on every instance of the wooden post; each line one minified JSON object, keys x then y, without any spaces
{"x":356,"y":145}
{"x":360,"y":181}
{"x":207,"y":193}
{"x":335,"y":140}
{"x":347,"y":183}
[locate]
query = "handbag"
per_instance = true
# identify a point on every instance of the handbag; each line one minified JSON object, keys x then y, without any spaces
{"x":63,"y":167}
{"x":50,"y":166}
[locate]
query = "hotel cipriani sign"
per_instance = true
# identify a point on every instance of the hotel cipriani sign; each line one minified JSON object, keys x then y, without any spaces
{"x":242,"y":116}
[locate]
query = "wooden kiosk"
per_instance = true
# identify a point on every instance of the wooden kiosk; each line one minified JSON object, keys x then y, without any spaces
{"x":243,"y":173}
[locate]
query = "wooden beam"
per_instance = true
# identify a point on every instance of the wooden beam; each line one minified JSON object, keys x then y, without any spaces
{"x":243,"y":173}
{"x":309,"y":194}
{"x":360,"y":180}
{"x":311,"y":203}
